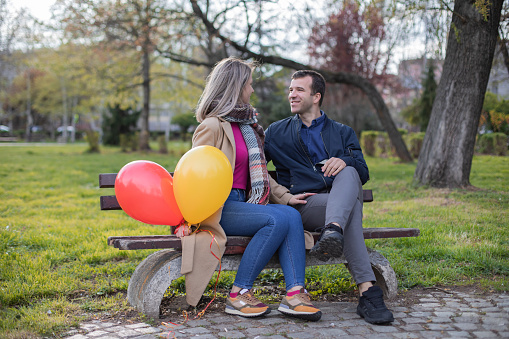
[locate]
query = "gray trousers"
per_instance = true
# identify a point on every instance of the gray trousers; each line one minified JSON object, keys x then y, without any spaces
{"x":343,"y":205}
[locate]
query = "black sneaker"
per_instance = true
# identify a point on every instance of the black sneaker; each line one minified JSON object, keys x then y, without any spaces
{"x":329,"y":244}
{"x":372,"y":307}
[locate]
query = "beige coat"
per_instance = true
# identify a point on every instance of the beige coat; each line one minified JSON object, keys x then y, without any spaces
{"x":198,"y":264}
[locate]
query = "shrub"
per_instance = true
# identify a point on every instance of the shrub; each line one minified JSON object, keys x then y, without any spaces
{"x":403,"y":131}
{"x":376,"y":143}
{"x":383,"y":144}
{"x":492,"y":143}
{"x":185,"y":121}
{"x":135,"y":141}
{"x":368,"y":142}
{"x":163,"y":146}
{"x":93,"y":141}
{"x":178,"y":149}
{"x":414,"y":143}
{"x":124,"y":142}
{"x":118,"y":121}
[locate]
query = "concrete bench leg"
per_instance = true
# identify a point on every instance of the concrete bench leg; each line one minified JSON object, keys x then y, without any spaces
{"x":151,"y":279}
{"x":385,"y":275}
{"x":155,"y":274}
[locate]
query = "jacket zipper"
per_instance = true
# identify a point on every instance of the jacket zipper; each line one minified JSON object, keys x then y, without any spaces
{"x":324,"y":146}
{"x":307,"y":156}
{"x":328,"y":154}
{"x":304,"y":150}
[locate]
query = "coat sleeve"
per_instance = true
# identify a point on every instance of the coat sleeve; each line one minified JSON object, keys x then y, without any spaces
{"x":207,"y":133}
{"x":198,"y":263}
{"x":279,"y":194}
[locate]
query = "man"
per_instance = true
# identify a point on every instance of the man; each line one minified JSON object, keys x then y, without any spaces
{"x":313,"y":153}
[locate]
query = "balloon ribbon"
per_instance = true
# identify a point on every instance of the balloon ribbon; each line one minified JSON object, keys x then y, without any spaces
{"x":200,"y":314}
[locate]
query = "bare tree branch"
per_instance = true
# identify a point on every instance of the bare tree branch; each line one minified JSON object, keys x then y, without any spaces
{"x":178,"y":77}
{"x":339,"y":77}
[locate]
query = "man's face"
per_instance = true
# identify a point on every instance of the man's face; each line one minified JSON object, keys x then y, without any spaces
{"x":300,"y":97}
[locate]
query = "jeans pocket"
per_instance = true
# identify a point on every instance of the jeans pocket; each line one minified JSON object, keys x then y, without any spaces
{"x":237,"y":194}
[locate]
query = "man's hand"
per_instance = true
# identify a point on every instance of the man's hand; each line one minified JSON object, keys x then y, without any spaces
{"x":332,"y":167}
{"x":299,"y":199}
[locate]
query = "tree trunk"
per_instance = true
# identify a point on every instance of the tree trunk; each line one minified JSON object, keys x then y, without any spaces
{"x":65,"y":118}
{"x":30,"y":118}
{"x":145,"y":113}
{"x":448,"y":147}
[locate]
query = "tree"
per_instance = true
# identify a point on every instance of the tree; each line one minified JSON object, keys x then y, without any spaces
{"x":448,"y":147}
{"x":119,"y":121}
{"x":11,"y":25}
{"x":419,"y":112}
{"x":17,"y":30}
{"x":428,"y":97}
{"x":184,"y":120}
{"x":260,"y":53}
{"x":355,"y":40}
{"x":20,"y":96}
{"x":138,"y":25}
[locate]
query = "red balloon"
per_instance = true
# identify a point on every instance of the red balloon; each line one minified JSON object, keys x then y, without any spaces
{"x":144,"y":190}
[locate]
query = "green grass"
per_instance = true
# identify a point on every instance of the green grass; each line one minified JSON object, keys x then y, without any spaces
{"x":57,"y":270}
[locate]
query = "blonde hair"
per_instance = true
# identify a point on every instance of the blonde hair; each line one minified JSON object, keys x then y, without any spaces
{"x":224,"y":85}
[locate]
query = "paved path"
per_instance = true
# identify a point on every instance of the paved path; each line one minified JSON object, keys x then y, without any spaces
{"x":434,"y":314}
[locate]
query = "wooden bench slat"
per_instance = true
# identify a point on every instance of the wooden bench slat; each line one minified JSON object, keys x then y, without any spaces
{"x":109,"y":202}
{"x":237,"y":245}
{"x":107,"y":180}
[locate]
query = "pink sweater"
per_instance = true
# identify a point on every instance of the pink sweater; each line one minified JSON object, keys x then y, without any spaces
{"x":241,"y":172}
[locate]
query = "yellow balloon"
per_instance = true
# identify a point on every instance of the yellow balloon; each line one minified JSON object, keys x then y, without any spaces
{"x":202,"y":182}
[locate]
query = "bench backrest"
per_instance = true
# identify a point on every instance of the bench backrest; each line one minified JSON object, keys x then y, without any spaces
{"x":235,"y":245}
{"x":109,"y":202}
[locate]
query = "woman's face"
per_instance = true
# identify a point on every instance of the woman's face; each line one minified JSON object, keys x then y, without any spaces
{"x":247,"y":91}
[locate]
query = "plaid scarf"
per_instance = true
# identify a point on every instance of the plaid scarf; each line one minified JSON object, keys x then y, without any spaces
{"x":245,"y":116}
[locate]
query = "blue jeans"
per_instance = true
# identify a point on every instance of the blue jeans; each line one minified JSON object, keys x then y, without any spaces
{"x":273,"y":228}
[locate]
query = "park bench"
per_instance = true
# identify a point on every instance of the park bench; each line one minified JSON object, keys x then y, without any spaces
{"x":8,"y":139}
{"x":154,"y":275}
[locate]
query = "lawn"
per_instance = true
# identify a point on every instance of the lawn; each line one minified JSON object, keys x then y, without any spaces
{"x":57,"y":270}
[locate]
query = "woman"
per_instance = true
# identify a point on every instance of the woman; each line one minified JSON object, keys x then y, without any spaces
{"x":228,"y":122}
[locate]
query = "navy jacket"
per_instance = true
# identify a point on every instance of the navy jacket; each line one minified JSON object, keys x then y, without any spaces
{"x":294,"y":167}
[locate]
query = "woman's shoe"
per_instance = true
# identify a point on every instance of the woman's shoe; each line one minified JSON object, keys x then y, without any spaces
{"x":246,"y":305}
{"x":300,"y":306}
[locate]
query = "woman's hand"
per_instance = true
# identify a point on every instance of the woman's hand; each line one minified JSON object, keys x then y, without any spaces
{"x":299,"y":199}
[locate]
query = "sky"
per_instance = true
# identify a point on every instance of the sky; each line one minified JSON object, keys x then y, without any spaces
{"x":41,"y":10}
{"x":38,"y":8}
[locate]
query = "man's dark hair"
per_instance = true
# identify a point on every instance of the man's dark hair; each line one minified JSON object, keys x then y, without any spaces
{"x":317,"y":84}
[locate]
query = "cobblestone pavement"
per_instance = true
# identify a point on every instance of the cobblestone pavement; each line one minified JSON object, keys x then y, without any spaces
{"x":433,"y":314}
